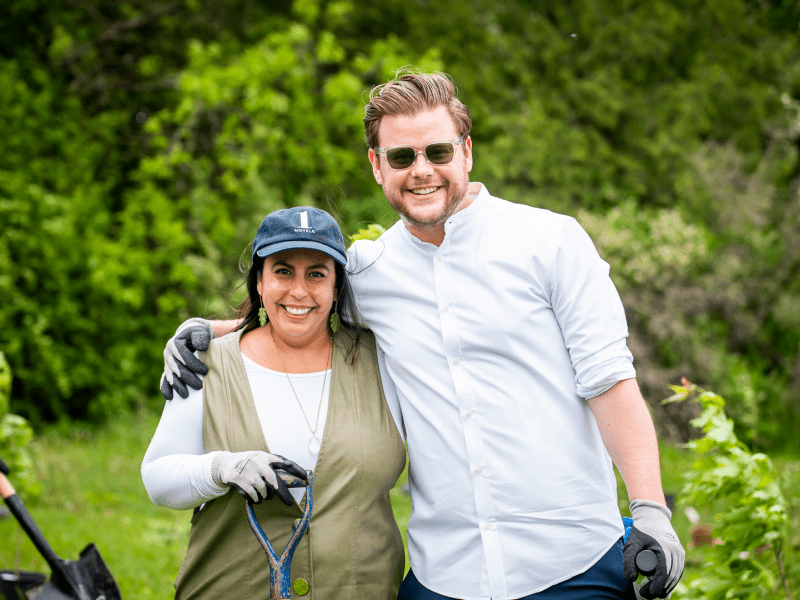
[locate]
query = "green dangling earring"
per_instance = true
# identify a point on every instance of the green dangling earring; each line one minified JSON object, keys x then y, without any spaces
{"x":334,"y":322}
{"x":262,"y":315}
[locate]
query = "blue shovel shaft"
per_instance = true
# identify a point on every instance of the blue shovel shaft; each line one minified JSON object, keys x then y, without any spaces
{"x":280,"y":566}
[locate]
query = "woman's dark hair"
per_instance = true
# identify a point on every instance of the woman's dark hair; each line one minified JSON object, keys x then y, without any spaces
{"x":345,"y":305}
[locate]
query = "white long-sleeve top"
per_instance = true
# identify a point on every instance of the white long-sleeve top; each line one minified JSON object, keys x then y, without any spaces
{"x":494,"y":341}
{"x":177,"y":473}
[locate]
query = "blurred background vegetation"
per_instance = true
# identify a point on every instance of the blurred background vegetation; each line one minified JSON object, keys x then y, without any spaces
{"x":142,"y":142}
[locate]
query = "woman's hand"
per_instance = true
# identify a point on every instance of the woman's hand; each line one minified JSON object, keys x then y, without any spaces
{"x":253,"y":474}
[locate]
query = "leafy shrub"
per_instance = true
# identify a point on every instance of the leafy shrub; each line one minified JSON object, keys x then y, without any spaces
{"x":746,"y":561}
{"x":15,"y":435}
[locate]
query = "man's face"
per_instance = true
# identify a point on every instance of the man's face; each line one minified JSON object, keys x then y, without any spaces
{"x":424,"y":195}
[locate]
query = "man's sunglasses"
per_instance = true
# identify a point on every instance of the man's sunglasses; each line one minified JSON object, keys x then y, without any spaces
{"x":438,"y":153}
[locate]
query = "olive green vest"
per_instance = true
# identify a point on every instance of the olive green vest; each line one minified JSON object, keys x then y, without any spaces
{"x":353,"y":548}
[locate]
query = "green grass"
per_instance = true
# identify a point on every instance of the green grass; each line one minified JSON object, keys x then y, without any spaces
{"x":92,"y":492}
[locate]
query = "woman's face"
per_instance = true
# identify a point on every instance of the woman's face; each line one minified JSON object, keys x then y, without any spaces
{"x":298,"y":288}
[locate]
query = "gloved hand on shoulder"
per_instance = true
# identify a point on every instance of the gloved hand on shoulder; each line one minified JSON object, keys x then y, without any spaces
{"x":180,"y":363}
{"x":652,"y":530}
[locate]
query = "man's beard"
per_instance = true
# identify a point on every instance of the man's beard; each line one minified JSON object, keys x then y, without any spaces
{"x":456,"y":193}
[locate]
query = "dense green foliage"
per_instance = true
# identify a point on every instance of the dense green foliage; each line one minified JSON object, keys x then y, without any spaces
{"x":15,"y":436}
{"x":144,"y":141}
{"x":751,"y":531}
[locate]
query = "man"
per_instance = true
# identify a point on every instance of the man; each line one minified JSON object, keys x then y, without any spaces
{"x":505,"y":339}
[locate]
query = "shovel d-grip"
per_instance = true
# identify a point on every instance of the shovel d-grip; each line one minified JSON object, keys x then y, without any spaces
{"x":280,"y":567}
{"x":645,"y":560}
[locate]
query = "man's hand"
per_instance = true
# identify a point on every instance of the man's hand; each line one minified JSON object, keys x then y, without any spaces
{"x":253,"y":474}
{"x":653,"y":531}
{"x":180,"y":363}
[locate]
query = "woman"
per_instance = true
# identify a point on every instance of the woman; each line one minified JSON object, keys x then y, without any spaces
{"x":284,"y":384}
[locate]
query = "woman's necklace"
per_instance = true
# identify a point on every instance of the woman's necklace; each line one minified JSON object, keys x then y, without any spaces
{"x":314,"y":444}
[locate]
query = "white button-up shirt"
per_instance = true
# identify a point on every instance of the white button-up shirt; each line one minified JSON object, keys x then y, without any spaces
{"x":494,"y":340}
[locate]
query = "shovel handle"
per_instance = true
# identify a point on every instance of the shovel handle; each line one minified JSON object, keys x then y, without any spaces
{"x":23,"y":517}
{"x":291,"y":481}
{"x":280,"y":566}
{"x":645,"y":559}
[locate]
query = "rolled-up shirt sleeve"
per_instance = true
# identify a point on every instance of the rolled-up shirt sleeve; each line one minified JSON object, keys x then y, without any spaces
{"x":589,"y":310}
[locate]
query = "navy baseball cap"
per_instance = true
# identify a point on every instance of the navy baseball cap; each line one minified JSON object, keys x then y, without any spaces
{"x":300,"y":227}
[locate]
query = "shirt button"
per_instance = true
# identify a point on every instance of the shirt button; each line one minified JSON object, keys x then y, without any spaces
{"x":440,"y":257}
{"x":477,"y":471}
{"x":486,"y":526}
{"x":447,"y":307}
{"x":301,"y":587}
{"x":455,"y":361}
{"x":468,"y":415}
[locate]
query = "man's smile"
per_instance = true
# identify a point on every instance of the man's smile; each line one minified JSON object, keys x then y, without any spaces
{"x":423,"y":191}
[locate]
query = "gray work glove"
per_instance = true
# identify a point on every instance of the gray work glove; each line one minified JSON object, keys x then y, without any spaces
{"x":180,"y":363}
{"x":253,"y":474}
{"x":653,"y":531}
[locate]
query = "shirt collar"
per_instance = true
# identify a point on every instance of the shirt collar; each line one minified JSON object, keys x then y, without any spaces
{"x":466,"y":214}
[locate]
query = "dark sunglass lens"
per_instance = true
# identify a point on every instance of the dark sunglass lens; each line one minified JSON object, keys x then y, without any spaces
{"x":400,"y":158}
{"x":439,"y":154}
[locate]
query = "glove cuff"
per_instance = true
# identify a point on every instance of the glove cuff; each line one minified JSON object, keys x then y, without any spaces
{"x":216,"y":466}
{"x":647,"y":509}
{"x":194,"y":322}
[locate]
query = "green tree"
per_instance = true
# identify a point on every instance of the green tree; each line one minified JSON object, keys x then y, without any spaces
{"x":145,"y":140}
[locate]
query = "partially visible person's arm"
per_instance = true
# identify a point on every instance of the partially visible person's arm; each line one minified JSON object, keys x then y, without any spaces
{"x":224,"y":327}
{"x":630,"y":439}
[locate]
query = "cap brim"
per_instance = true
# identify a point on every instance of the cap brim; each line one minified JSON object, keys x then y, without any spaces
{"x":336,"y":255}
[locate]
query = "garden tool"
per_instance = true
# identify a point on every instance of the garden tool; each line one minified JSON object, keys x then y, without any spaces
{"x":645,"y":560}
{"x":280,"y":567}
{"x":87,"y":578}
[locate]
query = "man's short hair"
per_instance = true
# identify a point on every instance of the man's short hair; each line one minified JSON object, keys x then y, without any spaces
{"x":409,"y":93}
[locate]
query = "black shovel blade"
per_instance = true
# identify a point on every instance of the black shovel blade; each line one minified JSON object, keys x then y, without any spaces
{"x":96,"y":576}
{"x":48,"y":591}
{"x":13,"y":584}
{"x":88,"y":579}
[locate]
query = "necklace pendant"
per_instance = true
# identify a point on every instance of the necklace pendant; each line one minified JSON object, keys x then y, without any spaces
{"x":314,"y":444}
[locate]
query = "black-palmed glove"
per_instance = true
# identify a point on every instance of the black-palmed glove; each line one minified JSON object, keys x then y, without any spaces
{"x":653,"y":531}
{"x":253,"y":474}
{"x":181,"y":366}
